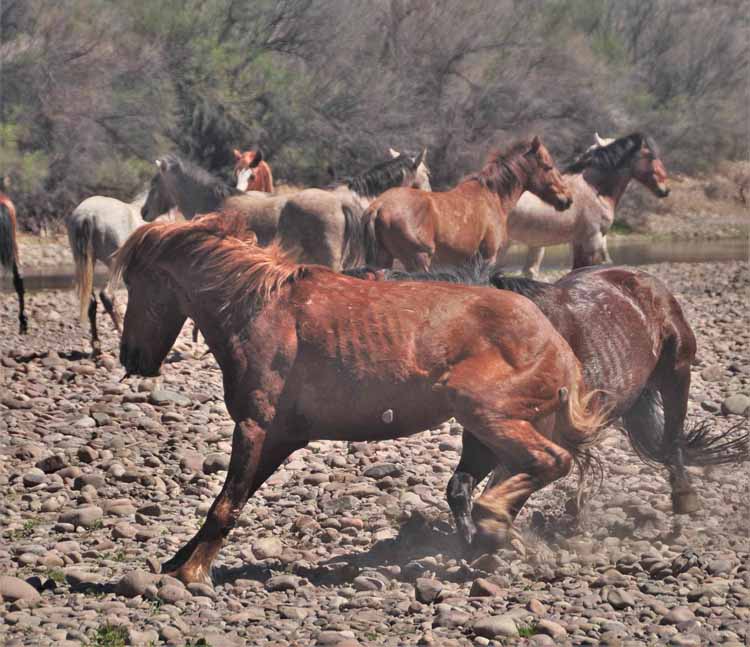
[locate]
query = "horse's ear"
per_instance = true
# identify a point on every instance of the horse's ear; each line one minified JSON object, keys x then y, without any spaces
{"x":394,"y":153}
{"x":535,"y":144}
{"x":257,"y":159}
{"x":420,"y":158}
{"x":237,"y":154}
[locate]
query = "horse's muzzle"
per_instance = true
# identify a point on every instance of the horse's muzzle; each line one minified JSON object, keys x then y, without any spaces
{"x":563,"y":203}
{"x":134,"y":362}
{"x":662,"y":191}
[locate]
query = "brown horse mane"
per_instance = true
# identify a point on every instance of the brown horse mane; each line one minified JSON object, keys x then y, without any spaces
{"x":219,"y":247}
{"x":504,"y":171}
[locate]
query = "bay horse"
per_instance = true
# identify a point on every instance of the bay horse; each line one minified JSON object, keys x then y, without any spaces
{"x":597,"y":180}
{"x":252,"y":172}
{"x":307,"y":353}
{"x":450,"y":227}
{"x":96,"y":229}
{"x":635,"y":347}
{"x":9,"y":256}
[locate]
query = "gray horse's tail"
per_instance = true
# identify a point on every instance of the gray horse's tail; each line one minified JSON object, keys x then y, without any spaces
{"x":644,"y":425}
{"x":81,"y":237}
{"x":353,"y":245}
{"x":370,"y":237}
{"x":8,"y":250}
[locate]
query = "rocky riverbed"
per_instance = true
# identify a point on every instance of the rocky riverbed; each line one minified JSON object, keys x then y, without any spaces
{"x":347,"y":544}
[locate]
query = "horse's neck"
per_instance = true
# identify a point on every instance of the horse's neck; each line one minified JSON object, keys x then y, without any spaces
{"x":609,"y":185}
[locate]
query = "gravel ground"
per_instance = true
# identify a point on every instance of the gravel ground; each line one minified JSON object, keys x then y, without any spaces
{"x":347,"y":544}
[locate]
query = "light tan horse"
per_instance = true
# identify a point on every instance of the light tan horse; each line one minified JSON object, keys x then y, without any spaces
{"x":597,"y":180}
{"x":451,"y":227}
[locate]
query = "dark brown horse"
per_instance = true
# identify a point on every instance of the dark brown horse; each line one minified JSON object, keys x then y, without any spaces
{"x":307,"y":354}
{"x":635,"y":347}
{"x":451,"y":227}
{"x":9,"y":254}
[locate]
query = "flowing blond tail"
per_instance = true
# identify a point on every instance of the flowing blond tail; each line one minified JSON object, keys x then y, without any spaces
{"x":82,"y":246}
{"x":585,"y":430}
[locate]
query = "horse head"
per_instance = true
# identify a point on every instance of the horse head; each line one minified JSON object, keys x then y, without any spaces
{"x":244,"y":167}
{"x":545,"y":180}
{"x":648,"y":169}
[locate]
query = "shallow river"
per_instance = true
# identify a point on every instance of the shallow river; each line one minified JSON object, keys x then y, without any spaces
{"x":622,"y":250}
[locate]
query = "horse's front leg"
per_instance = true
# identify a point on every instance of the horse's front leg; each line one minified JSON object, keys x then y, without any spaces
{"x":476,"y":462}
{"x":23,"y":323}
{"x":256,"y":454}
{"x":533,"y":264}
{"x":589,"y":251}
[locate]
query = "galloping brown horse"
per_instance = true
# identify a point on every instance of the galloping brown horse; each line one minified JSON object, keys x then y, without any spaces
{"x":9,"y":255}
{"x":451,"y":227}
{"x":307,"y":354}
{"x":635,"y":347}
{"x":252,"y":172}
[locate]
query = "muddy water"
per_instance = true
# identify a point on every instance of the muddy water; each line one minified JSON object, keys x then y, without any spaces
{"x":622,"y":250}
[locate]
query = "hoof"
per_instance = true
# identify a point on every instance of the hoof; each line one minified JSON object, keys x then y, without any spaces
{"x":685,"y":502}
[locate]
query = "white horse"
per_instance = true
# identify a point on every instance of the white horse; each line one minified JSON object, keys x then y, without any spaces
{"x":96,"y":229}
{"x":597,"y":179}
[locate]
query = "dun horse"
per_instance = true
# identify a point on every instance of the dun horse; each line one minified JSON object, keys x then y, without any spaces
{"x":326,"y":226}
{"x":307,"y":354}
{"x":96,"y":228}
{"x":450,"y":227}
{"x":252,"y":172}
{"x":9,"y":255}
{"x":635,"y":347}
{"x":597,"y":180}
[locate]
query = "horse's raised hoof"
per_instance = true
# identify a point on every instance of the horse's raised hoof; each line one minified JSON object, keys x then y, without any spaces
{"x":685,"y":502}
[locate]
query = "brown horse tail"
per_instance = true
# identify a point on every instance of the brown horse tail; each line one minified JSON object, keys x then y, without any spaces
{"x":370,"y":237}
{"x":80,"y":235}
{"x":8,"y":248}
{"x":644,"y":426}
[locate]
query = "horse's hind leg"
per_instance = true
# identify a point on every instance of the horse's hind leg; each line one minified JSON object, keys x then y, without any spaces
{"x":23,"y":324}
{"x":533,"y":264}
{"x":674,"y":387}
{"x":476,"y":462}
{"x":255,"y":456}
{"x":108,"y":301}
{"x":96,"y":347}
{"x":533,"y":460}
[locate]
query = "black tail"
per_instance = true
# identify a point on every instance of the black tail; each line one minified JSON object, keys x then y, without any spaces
{"x":7,"y":238}
{"x":369,"y":237}
{"x":644,"y":425}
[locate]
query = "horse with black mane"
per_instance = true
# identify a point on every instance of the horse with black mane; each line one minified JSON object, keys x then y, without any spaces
{"x":9,"y":255}
{"x":307,"y":353}
{"x":635,"y":347}
{"x":597,"y":180}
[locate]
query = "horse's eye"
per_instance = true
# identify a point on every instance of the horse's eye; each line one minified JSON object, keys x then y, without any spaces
{"x":546,"y":167}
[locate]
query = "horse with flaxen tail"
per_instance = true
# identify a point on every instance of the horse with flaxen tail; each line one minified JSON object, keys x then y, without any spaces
{"x":636,"y":349}
{"x":9,"y":255}
{"x":308,"y":354}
